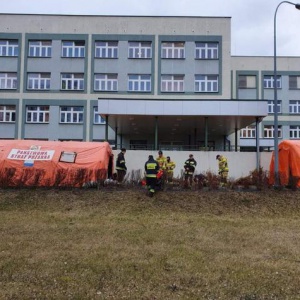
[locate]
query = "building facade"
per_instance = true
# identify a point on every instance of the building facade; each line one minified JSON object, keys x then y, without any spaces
{"x":141,"y":83}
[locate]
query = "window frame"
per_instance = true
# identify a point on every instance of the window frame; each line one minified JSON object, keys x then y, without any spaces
{"x":269,"y":81}
{"x":173,"y":50}
{"x":40,"y":82}
{"x":98,"y":120}
{"x":206,"y":84}
{"x":268,"y":131}
{"x":71,"y":80}
{"x":8,"y":113}
{"x":73,"y":49}
{"x":294,"y":132}
{"x":37,"y":114}
{"x":40,"y":48}
{"x":104,"y":82}
{"x":9,"y":81}
{"x":72,"y":114}
{"x":248,"y":132}
{"x":139,"y":83}
{"x":108,"y":49}
{"x":207,"y":50}
{"x":9,"y":48}
{"x":295,"y":105}
{"x":140,"y":50}
{"x":271,"y":106}
{"x":172,"y":83}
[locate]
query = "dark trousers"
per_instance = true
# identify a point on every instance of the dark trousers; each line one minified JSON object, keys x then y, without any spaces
{"x":121,"y":174}
{"x":151,"y":183}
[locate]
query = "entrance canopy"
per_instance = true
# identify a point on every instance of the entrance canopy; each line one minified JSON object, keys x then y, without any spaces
{"x":140,"y":118}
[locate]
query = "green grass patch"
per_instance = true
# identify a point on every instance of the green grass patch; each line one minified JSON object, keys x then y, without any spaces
{"x":91,"y":244}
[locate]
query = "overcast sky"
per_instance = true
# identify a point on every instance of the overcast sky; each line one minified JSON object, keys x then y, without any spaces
{"x":252,"y":21}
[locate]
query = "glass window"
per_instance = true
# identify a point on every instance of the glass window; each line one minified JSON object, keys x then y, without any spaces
{"x":38,"y":81}
{"x":8,"y":113}
{"x":106,"y":82}
{"x":269,"y":131}
{"x":8,"y":81}
{"x":206,"y":83}
{"x":71,"y":114}
{"x":172,"y":83}
{"x":294,"y":132}
{"x":37,"y":114}
{"x":247,"y":81}
{"x":139,"y":49}
{"x":9,"y":48}
{"x":173,"y":50}
{"x":269,"y":82}
{"x":97,"y":118}
{"x":139,"y":83}
{"x":248,"y":132}
{"x":105,"y":49}
{"x":294,"y":106}
{"x":294,"y":82}
{"x":72,"y":82}
{"x":40,"y":48}
{"x":73,"y":49}
{"x":271,"y":106}
{"x":207,"y":50}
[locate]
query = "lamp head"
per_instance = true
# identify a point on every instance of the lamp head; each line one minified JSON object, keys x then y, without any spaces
{"x":297,"y":5}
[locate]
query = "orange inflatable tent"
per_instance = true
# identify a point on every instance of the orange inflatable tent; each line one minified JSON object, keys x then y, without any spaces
{"x":288,"y":163}
{"x":53,"y":163}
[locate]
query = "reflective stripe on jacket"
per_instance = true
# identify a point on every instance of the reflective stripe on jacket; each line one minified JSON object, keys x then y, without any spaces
{"x":151,"y":168}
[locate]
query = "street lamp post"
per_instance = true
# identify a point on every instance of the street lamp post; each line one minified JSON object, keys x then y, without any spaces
{"x":276,"y":160}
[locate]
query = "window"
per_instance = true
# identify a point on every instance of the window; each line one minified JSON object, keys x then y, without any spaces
{"x":206,"y":83}
{"x":37,"y":114}
{"x":139,"y":83}
{"x":172,"y":83}
{"x":207,"y":51}
{"x":106,"y":49}
{"x":38,"y":81}
{"x":248,"y":132}
{"x":294,"y":106}
{"x":97,"y":118}
{"x":269,"y":82}
{"x":8,"y":81}
{"x":173,"y":50}
{"x":72,"y":82}
{"x":139,"y":49}
{"x":73,"y":49}
{"x":294,"y":132}
{"x":247,"y":82}
{"x":9,"y":48}
{"x":294,"y":82}
{"x":106,"y":82}
{"x":71,"y":114}
{"x":269,"y":131}
{"x":271,"y":106}
{"x":40,"y":48}
{"x":8,"y":113}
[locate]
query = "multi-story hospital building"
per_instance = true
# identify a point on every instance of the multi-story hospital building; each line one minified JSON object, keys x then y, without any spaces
{"x":141,"y":83}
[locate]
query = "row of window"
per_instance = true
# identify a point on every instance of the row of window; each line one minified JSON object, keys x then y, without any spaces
{"x":110,"y":49}
{"x":249,"y":82}
{"x":74,"y":115}
{"x":249,"y":132}
{"x":41,"y":114}
{"x":109,"y":82}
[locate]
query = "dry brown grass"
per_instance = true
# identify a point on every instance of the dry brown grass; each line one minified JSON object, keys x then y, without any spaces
{"x":119,"y":244}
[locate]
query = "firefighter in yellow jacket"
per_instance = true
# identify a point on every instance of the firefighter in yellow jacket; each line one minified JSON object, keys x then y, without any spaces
{"x":162,"y":161}
{"x":170,"y":166}
{"x":223,"y":169}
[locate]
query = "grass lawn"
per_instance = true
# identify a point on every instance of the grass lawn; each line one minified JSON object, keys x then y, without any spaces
{"x":121,"y":244}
